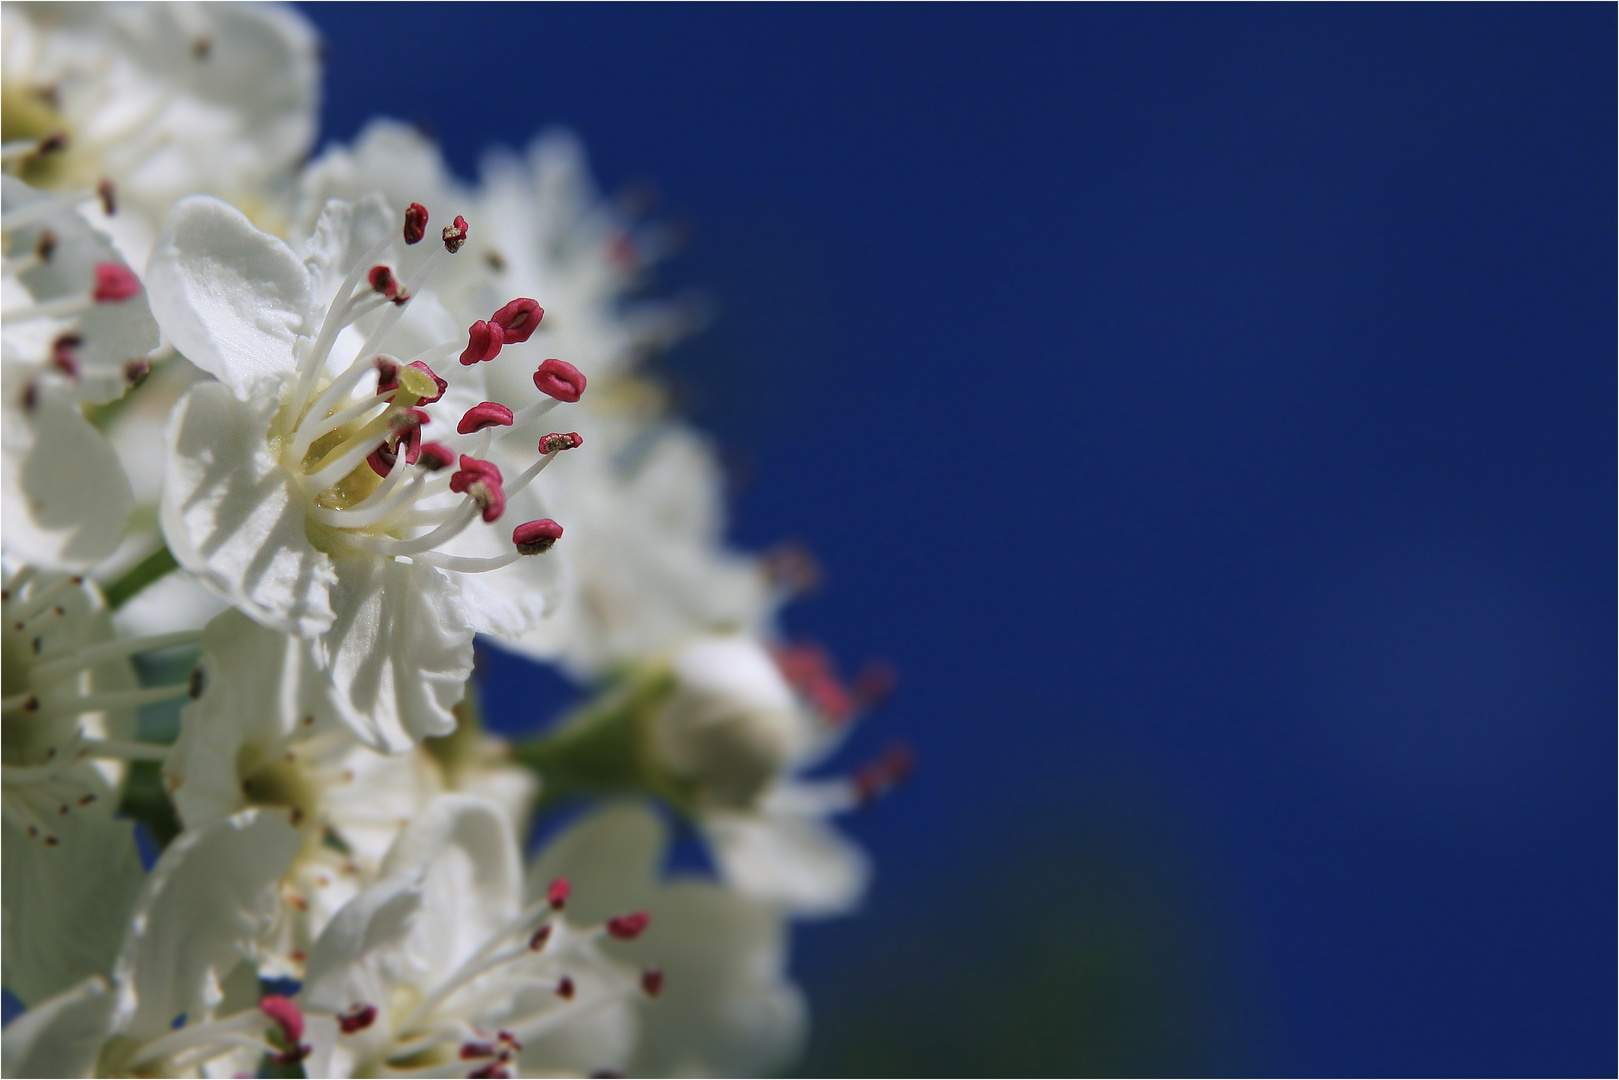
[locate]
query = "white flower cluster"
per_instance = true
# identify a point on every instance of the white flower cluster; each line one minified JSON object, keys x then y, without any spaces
{"x":273,"y":436}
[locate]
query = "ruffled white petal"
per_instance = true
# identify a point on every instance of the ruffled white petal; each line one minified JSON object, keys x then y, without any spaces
{"x":207,"y":902}
{"x":67,"y":905}
{"x":398,"y":652}
{"x":231,"y":298}
{"x":67,"y":499}
{"x":233,"y":517}
{"x":60,"y":1037}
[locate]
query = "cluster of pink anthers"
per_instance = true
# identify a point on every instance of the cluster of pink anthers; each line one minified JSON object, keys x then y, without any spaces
{"x":394,"y":436}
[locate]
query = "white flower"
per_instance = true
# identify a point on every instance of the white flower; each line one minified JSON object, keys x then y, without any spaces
{"x":183,"y":992}
{"x":162,"y":100}
{"x":76,"y":329}
{"x":725,"y":1006}
{"x":646,"y":564}
{"x":439,"y":970}
{"x":267,"y":730}
{"x":297,"y":501}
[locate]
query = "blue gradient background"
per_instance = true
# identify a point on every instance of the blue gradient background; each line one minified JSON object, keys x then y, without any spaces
{"x":1211,"y":412}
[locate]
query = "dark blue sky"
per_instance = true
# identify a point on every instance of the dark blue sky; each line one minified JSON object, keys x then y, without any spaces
{"x":1211,"y":411}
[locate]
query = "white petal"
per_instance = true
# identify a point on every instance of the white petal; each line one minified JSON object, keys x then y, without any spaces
{"x":399,"y":650}
{"x":727,"y":1008}
{"x":800,"y":863}
{"x":259,"y":686}
{"x":67,"y":499}
{"x":67,"y":906}
{"x":60,"y":1037}
{"x":511,"y":601}
{"x":207,"y":902}
{"x":229,"y":297}
{"x":379,"y":918}
{"x":610,"y":857}
{"x":463,"y":849}
{"x":233,"y":517}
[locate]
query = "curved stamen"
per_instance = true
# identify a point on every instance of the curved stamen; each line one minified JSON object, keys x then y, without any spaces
{"x":451,"y":528}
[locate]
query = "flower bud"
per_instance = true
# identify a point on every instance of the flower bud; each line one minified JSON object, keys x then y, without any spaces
{"x":731,"y":723}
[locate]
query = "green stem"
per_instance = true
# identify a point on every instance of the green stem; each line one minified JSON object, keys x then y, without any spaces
{"x":137,"y":577}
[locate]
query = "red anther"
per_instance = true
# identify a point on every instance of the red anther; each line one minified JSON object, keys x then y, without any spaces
{"x":415,"y":223}
{"x":565,"y":988}
{"x":382,"y":281}
{"x":382,"y":459}
{"x":519,"y":319}
{"x":435,"y":456}
{"x":557,"y":895}
{"x":628,"y":927}
{"x":536,"y":538}
{"x":652,"y":982}
{"x":886,"y":773}
{"x":107,"y":192}
{"x":565,"y":440}
{"x":481,"y":480}
{"x":136,"y":370}
{"x":62,"y":356}
{"x":560,"y":379}
{"x":115,"y":283}
{"x":483,"y":415}
{"x":484,"y":340}
{"x":455,"y":235}
{"x":50,"y":144}
{"x":286,"y":1015}
{"x":508,"y":1040}
{"x":471,"y":1051}
{"x":809,"y":670}
{"x":45,"y":246}
{"x":537,"y":940}
{"x":358,"y":1018}
{"x":874,"y":684}
{"x":387,"y":374}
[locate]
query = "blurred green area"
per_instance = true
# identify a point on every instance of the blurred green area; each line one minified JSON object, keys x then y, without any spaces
{"x":1091,"y":952}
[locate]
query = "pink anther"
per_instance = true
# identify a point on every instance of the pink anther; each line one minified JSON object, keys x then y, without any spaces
{"x":435,"y":456}
{"x":565,"y":988}
{"x":107,"y":192}
{"x":484,"y":415}
{"x":63,"y":357}
{"x":652,"y":982}
{"x":286,"y":1015}
{"x":474,"y":1051}
{"x":628,"y":927}
{"x":357,"y":1018}
{"x":536,"y":538}
{"x":382,"y":281}
{"x":115,"y":283}
{"x":519,"y":319}
{"x":136,"y":370}
{"x":415,"y":223}
{"x":560,"y":379}
{"x":455,"y":235}
{"x":481,"y":480}
{"x":537,"y":940}
{"x":560,"y":440}
{"x":557,"y":895}
{"x":484,"y":340}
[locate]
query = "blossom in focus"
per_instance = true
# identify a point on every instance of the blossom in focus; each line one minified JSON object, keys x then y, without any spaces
{"x":299,"y":480}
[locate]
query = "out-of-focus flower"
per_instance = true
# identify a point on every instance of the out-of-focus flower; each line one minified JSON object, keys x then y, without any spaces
{"x":153,"y":102}
{"x":183,"y":995}
{"x":294,"y":500}
{"x":724,"y":1004}
{"x":268,"y":731}
{"x":722,"y":731}
{"x":439,"y":968}
{"x":76,"y":329}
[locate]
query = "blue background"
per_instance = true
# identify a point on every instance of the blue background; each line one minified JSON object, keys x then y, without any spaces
{"x":1211,"y":412}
